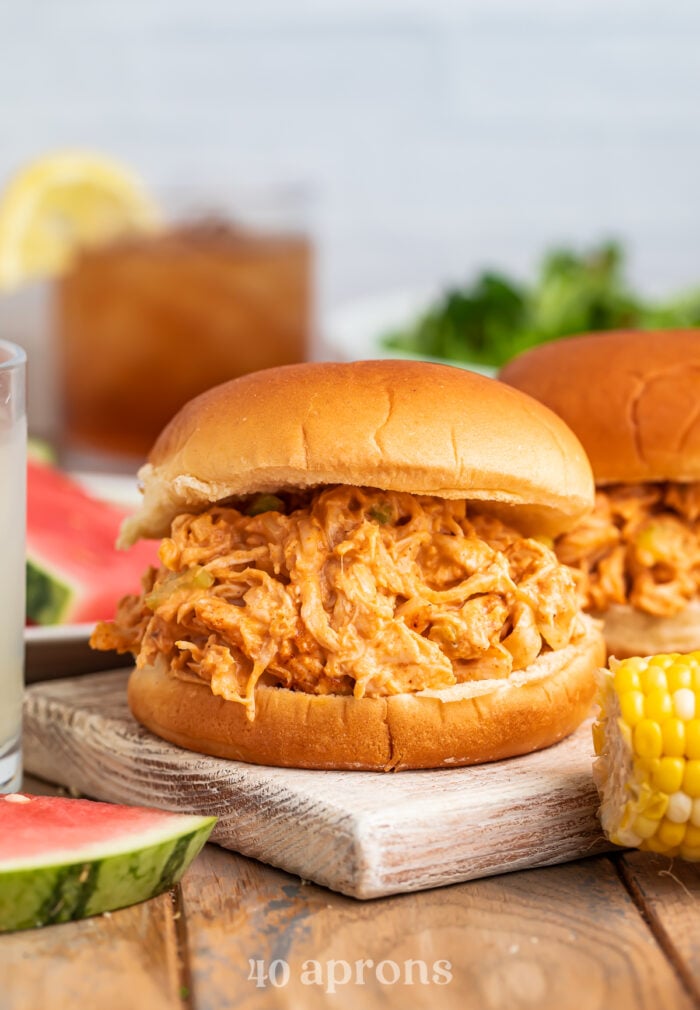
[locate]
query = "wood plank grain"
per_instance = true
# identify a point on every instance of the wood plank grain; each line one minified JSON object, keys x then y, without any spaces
{"x":127,"y":958}
{"x":668,"y":892}
{"x":364,"y":834}
{"x":561,"y":938}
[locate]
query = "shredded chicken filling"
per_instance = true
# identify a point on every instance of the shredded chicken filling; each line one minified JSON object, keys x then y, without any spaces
{"x":346,"y":591}
{"x":640,"y":546}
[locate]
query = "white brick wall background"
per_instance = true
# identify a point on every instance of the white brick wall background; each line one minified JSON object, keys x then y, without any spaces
{"x":436,"y":136}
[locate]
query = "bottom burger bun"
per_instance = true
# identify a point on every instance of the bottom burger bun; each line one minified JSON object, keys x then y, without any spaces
{"x":631,"y":632}
{"x":466,"y":724}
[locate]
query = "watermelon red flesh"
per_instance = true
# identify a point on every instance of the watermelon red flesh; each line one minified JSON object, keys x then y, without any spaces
{"x":31,"y":826}
{"x":64,"y":859}
{"x":70,"y":540}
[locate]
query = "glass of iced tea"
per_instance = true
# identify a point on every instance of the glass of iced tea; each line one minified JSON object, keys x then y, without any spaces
{"x":149,"y":321}
{"x":13,"y":463}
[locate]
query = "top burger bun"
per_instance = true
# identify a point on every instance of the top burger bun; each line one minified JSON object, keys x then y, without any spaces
{"x":396,"y":425}
{"x":631,"y":397}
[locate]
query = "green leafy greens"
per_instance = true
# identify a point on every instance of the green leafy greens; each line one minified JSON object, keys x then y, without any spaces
{"x":493,"y":318}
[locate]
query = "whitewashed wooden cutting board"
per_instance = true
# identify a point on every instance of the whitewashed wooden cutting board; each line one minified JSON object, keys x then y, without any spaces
{"x":363,"y":833}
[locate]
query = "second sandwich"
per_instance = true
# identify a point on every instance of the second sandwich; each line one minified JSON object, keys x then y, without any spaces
{"x":633,"y":399}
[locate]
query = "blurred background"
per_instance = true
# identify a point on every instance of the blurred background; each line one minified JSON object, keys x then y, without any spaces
{"x":431,"y":140}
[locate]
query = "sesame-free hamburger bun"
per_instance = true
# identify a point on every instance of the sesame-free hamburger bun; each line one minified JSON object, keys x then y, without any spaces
{"x":467,"y":724}
{"x":418,"y":434}
{"x":397,"y":425}
{"x":631,"y":397}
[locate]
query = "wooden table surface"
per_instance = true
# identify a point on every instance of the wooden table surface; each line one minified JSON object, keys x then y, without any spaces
{"x":614,"y":932}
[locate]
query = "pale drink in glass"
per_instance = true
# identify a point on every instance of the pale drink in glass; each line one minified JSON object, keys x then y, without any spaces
{"x":13,"y":448}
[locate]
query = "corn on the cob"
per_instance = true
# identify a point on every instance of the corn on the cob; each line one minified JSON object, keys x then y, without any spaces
{"x":647,"y":739}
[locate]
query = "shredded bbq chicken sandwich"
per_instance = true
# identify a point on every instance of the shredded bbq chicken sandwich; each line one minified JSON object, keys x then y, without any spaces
{"x":632,"y":398}
{"x":356,"y":572}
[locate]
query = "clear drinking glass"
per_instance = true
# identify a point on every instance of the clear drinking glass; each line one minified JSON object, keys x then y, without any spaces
{"x":13,"y":462}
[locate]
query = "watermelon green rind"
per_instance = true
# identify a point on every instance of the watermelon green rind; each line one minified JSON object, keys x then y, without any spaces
{"x":99,"y":879}
{"x":48,"y":599}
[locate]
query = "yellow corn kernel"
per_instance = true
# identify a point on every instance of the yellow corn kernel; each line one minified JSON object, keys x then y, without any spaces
{"x":679,"y":675}
{"x":689,"y":852}
{"x":692,"y":738}
{"x":668,"y":777}
{"x":679,"y":808}
{"x":670,"y":834}
{"x":653,"y":677}
{"x":684,"y":704}
{"x":673,"y":735}
{"x":627,"y":678}
{"x":658,"y":705}
{"x":632,"y":707}
{"x":648,"y":741}
{"x":644,"y":826}
{"x":691,"y":779}
{"x":599,"y":737}
{"x":662,"y":661}
{"x":655,"y":806}
{"x":692,"y":835}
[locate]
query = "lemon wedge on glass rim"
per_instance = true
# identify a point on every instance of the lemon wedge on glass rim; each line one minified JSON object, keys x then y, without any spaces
{"x":61,"y":202}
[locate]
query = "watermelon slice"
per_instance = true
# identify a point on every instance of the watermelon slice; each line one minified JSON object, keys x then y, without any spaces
{"x":74,"y":572}
{"x":64,"y":859}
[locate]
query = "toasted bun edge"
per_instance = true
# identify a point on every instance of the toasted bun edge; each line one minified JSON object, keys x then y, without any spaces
{"x":405,"y":426}
{"x":468,"y":724}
